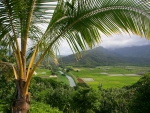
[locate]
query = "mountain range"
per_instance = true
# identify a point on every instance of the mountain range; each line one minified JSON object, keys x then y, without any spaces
{"x":135,"y":51}
{"x":136,"y":55}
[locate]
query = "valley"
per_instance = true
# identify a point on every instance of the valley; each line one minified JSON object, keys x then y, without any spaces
{"x":110,"y":76}
{"x":105,"y":76}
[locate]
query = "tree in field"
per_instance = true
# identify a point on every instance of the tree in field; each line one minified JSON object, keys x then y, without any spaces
{"x":79,"y":22}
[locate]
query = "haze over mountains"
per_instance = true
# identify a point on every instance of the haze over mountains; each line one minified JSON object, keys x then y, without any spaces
{"x":136,"y":55}
{"x":135,"y":51}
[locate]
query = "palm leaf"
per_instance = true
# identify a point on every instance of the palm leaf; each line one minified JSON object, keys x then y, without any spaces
{"x":80,"y":22}
{"x":90,"y":18}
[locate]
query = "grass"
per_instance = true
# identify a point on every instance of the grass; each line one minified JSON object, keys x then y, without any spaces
{"x":101,"y":75}
{"x":62,"y":78}
{"x":110,"y":81}
{"x":45,"y":73}
{"x":114,"y":81}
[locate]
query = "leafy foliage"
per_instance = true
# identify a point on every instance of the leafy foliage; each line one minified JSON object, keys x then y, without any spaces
{"x":115,"y":100}
{"x":7,"y":87}
{"x":86,"y":100}
{"x":37,"y":107}
{"x":41,"y":88}
{"x":141,"y":99}
{"x":79,"y":22}
{"x":61,"y":98}
{"x":48,"y":95}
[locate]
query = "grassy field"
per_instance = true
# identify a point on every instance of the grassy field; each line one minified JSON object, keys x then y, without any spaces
{"x":62,"y":78}
{"x":110,"y":76}
{"x":45,"y":73}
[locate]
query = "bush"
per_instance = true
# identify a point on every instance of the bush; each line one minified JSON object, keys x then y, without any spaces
{"x":141,"y":100}
{"x":86,"y":100}
{"x":61,"y":98}
{"x":37,"y":107}
{"x":115,"y":101}
{"x":4,"y":107}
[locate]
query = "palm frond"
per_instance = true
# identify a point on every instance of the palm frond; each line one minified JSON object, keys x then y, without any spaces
{"x":80,"y":22}
{"x":88,"y":19}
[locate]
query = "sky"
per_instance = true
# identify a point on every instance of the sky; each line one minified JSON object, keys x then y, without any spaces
{"x":115,"y":41}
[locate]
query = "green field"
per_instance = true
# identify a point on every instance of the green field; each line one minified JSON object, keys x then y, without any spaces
{"x":45,"y":73}
{"x":110,"y":76}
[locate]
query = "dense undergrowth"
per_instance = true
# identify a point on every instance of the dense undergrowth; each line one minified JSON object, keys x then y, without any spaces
{"x":48,"y":96}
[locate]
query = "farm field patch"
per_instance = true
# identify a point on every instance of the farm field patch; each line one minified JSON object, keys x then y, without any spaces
{"x":111,"y":76}
{"x":45,"y":73}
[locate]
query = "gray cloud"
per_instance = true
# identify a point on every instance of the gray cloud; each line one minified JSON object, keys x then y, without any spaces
{"x":115,"y":41}
{"x":123,"y":40}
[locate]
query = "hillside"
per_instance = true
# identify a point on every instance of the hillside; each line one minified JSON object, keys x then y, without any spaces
{"x":95,"y":57}
{"x":100,"y":57}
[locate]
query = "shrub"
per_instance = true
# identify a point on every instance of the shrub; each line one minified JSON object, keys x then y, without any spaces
{"x":86,"y":100}
{"x":37,"y":107}
{"x":141,"y":100}
{"x":115,"y":100}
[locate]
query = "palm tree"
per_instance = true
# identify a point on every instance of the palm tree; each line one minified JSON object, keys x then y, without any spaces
{"x":47,"y":22}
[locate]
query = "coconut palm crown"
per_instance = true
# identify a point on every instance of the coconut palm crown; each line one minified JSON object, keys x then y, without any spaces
{"x":48,"y":22}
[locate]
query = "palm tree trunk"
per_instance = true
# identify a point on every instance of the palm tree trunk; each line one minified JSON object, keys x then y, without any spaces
{"x":21,"y":103}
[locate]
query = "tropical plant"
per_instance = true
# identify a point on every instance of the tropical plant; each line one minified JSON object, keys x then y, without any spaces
{"x":38,"y":107}
{"x":115,"y":100}
{"x":79,"y":22}
{"x":86,"y":100}
{"x":61,"y":98}
{"x":141,"y":99}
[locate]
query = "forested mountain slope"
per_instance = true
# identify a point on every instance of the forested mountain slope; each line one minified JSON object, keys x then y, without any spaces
{"x":101,"y":56}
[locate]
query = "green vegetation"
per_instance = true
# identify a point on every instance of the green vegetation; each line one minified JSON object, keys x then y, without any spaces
{"x":43,"y":72}
{"x":62,"y":78}
{"x":110,"y":76}
{"x":37,"y":107}
{"x":141,"y":99}
{"x":46,"y":73}
{"x":80,"y":22}
{"x":99,"y":56}
{"x":49,"y":96}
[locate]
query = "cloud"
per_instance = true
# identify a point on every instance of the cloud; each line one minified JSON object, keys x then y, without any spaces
{"x":64,"y":48}
{"x":123,"y":40}
{"x":115,"y":41}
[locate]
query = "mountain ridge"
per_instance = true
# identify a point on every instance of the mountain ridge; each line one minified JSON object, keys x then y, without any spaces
{"x":100,"y":56}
